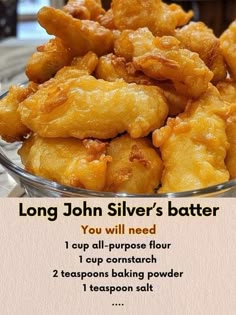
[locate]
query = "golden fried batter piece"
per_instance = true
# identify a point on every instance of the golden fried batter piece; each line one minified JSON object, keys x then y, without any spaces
{"x":160,"y":18}
{"x":106,"y":69}
{"x":228,"y":48}
{"x":107,"y":20}
{"x":79,"y":35}
{"x":197,"y":37}
{"x":79,"y":66}
{"x":231,"y":134}
{"x":69,"y":161}
{"x":227,"y":91}
{"x":193,"y":145}
{"x":47,"y":60}
{"x":111,"y":68}
{"x":84,"y":9}
{"x":135,"y":168}
{"x":134,"y":43}
{"x":87,"y":63}
{"x":183,"y":67}
{"x":11,"y":127}
{"x":176,"y":102}
{"x":85,"y":107}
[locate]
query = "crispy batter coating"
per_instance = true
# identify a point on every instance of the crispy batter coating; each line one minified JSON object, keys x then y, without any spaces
{"x":69,"y":161}
{"x":87,"y":63}
{"x":79,"y":35}
{"x":193,"y":145}
{"x":84,"y":9}
{"x":160,"y":18}
{"x":11,"y":127}
{"x":79,"y":66}
{"x":141,"y":43}
{"x":176,"y":102}
{"x":227,"y":90}
{"x":107,"y":71}
{"x":47,"y":60}
{"x":228,"y":47}
{"x":116,"y":75}
{"x":136,"y":166}
{"x":169,"y":61}
{"x":85,"y":107}
{"x":107,"y":20}
{"x":111,"y":68}
{"x":134,"y":43}
{"x":231,"y":134}
{"x":197,"y":37}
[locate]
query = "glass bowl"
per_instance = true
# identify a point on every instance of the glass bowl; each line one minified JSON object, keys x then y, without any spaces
{"x":36,"y":186}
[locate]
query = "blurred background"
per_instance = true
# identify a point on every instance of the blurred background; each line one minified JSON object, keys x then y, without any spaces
{"x":18,"y":18}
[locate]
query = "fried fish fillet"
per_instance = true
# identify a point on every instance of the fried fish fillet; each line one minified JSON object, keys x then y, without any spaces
{"x":168,"y":61}
{"x":79,"y":66}
{"x":197,"y":37}
{"x":85,"y":107}
{"x":176,"y":102}
{"x":11,"y":127}
{"x":107,"y":20}
{"x":136,"y":167}
{"x":47,"y":60}
{"x":111,"y":68}
{"x":134,"y":43}
{"x":86,"y":63}
{"x":227,"y":90}
{"x":69,"y":161}
{"x":107,"y":71}
{"x":194,"y":145}
{"x":160,"y":18}
{"x":80,"y":36}
{"x":228,"y":48}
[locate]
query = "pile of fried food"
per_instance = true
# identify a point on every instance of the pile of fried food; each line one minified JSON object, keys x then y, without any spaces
{"x":135,"y":99}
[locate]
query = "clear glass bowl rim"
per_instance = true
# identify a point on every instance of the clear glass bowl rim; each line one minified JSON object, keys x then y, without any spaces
{"x":53,"y":186}
{"x":38,"y":181}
